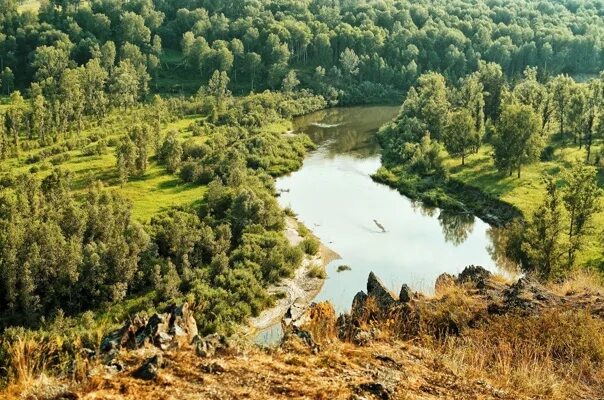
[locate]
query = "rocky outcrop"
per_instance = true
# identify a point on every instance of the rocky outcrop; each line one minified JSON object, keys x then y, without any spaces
{"x":406,"y":294}
{"x":486,"y":296}
{"x":212,"y":345}
{"x":150,"y":368}
{"x":376,"y":289}
{"x":174,"y":328}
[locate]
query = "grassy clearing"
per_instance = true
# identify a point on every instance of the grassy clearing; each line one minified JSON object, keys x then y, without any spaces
{"x":155,"y":191}
{"x":527,"y":192}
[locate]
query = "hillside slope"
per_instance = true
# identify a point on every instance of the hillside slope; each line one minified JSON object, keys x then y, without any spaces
{"x":479,"y":337}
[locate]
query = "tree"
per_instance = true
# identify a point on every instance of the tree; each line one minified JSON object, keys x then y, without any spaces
{"x":542,"y":239}
{"x":39,"y":118}
{"x":349,"y":61}
{"x":290,"y":82}
{"x":459,"y":134}
{"x":517,"y":142}
{"x":472,"y":92}
{"x":582,"y":201}
{"x":592,"y":119}
{"x":8,"y":79}
{"x":140,"y":134}
{"x":560,"y":89}
{"x":50,"y":62}
{"x":126,"y":155}
{"x":576,"y":110}
{"x":125,"y":85}
{"x":132,"y":29}
{"x":253,"y":62}
{"x":171,"y":152}
{"x":493,"y":81}
{"x":218,"y":87}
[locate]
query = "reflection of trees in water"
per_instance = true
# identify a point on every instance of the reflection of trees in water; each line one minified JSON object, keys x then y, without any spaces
{"x":456,"y":226}
{"x":423,"y":209}
{"x":348,"y":130}
{"x":502,"y":242}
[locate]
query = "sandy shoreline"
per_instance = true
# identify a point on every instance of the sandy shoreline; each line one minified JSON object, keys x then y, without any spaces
{"x":300,"y":290}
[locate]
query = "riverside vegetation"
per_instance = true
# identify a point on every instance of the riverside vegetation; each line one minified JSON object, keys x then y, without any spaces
{"x":139,"y":141}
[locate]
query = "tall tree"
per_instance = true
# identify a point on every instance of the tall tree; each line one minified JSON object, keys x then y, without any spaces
{"x":459,"y":135}
{"x":517,"y":141}
{"x":560,"y":89}
{"x":582,"y":201}
{"x":493,"y":81}
{"x":8,"y":80}
{"x":543,"y":237}
{"x":349,"y":61}
{"x":472,"y":93}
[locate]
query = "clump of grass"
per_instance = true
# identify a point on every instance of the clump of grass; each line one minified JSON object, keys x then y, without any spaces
{"x":322,"y":323}
{"x":303,"y":230}
{"x":279,"y":295}
{"x":310,"y":246}
{"x":289,"y":212}
{"x":343,"y":268}
{"x":317,"y":271}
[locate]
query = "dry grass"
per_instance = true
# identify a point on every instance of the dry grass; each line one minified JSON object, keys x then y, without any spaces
{"x":581,"y":281}
{"x":322,"y":323}
{"x":554,"y":355}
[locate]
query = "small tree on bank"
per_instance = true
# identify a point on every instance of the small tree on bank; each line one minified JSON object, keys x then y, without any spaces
{"x":459,"y":135}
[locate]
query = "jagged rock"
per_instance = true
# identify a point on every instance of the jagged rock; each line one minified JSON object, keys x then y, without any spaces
{"x":182,"y":324}
{"x":473,"y":273}
{"x":175,"y":327}
{"x":213,"y":368}
{"x":527,"y":296}
{"x":377,"y":389}
{"x":150,"y":368}
{"x":406,"y":294}
{"x":125,"y":337}
{"x":376,"y":289}
{"x":212,"y":345}
{"x":443,"y":282}
{"x":358,"y":305}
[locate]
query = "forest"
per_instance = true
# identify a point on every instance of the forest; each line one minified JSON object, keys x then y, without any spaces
{"x":140,"y":141}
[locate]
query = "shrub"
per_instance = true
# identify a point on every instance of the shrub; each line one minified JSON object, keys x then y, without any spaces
{"x":317,"y":271}
{"x":310,"y":246}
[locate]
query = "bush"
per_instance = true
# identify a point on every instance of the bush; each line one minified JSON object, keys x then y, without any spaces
{"x":548,"y":153}
{"x":310,"y":246}
{"x":317,"y":272}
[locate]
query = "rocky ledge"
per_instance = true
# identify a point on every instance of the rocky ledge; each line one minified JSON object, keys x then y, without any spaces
{"x":486,"y":295}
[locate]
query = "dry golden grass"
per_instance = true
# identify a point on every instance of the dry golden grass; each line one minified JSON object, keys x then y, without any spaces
{"x":553,"y":355}
{"x":322,"y":323}
{"x":580,"y":281}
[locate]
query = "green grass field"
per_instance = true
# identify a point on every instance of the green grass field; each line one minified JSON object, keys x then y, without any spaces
{"x":156,"y":190}
{"x":527,"y":192}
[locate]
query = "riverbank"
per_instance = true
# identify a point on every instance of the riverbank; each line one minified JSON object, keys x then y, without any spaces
{"x":299,"y":291}
{"x":450,"y":194}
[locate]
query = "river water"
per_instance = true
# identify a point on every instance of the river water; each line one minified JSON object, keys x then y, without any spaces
{"x":334,"y":196}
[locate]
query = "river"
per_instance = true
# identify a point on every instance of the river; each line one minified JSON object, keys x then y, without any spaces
{"x":334,"y":196}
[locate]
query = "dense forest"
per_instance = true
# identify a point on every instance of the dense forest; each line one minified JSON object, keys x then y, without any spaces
{"x":202,"y":91}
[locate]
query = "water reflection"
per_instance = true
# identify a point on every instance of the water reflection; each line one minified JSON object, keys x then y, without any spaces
{"x":456,"y":226}
{"x":351,"y":132}
{"x":502,"y":240}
